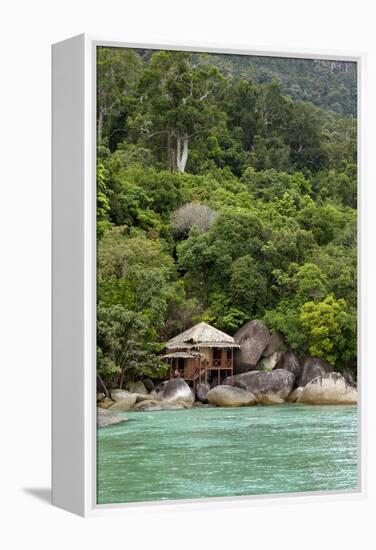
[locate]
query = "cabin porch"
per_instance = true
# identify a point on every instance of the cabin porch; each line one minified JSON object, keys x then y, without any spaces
{"x":208,"y":365}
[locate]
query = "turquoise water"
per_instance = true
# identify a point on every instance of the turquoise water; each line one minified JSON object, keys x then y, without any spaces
{"x":207,"y":452}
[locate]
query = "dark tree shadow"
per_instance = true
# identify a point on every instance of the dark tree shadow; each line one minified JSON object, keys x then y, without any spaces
{"x":40,"y":493}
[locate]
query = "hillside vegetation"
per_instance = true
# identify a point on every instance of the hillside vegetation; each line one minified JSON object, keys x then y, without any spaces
{"x":226,"y":191}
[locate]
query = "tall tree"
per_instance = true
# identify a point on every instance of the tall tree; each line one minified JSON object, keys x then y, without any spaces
{"x":177,"y":104}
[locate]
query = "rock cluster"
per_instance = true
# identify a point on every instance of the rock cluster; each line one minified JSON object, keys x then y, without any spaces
{"x":172,"y":394}
{"x":265,"y":373}
{"x":123,"y":400}
{"x":275,"y":375}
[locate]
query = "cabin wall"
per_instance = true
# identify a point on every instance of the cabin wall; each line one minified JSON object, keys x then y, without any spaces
{"x":189,"y":368}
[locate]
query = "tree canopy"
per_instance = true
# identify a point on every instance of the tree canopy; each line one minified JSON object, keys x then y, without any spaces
{"x":226,"y":191}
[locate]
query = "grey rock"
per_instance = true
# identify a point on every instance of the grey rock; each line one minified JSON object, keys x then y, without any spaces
{"x":137,"y":387}
{"x":289,"y":361}
{"x":105,"y":418}
{"x":151,"y":405}
{"x":176,"y":390}
{"x":231,"y":396}
{"x":329,"y":389}
{"x":275,"y":342}
{"x":266,"y":386}
{"x":253,"y":338}
{"x":202,"y":392}
{"x":312,"y":368}
{"x":142,"y":405}
{"x":105,"y":403}
{"x":118,"y":394}
{"x":124,"y":400}
{"x":141,"y":397}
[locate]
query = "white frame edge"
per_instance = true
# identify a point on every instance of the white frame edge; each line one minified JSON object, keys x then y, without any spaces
{"x":74,"y":279}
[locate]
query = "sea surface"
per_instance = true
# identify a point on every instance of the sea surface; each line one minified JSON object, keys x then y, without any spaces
{"x":215,"y":452}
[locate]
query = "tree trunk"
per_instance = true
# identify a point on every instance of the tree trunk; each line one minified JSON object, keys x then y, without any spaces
{"x":182,"y":155}
{"x":122,"y":379}
{"x":106,"y":392}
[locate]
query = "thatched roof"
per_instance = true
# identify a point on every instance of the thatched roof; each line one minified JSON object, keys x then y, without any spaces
{"x":181,"y":355}
{"x":201,"y":336}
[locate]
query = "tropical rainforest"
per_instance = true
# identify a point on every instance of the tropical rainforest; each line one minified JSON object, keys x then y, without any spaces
{"x":226,"y":191}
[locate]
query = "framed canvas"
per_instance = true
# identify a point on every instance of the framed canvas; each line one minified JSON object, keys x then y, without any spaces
{"x":207,"y":275}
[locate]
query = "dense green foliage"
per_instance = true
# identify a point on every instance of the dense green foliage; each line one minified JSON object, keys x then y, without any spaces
{"x":222,"y":196}
{"x":328,"y":84}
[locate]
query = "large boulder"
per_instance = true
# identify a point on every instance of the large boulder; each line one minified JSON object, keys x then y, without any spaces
{"x":231,"y":396}
{"x":137,"y":387}
{"x":266,"y":386}
{"x":289,"y":361}
{"x":329,"y":389}
{"x":275,"y":343}
{"x":253,"y":339}
{"x":202,"y":392}
{"x":118,"y":394}
{"x":105,"y":418}
{"x":124,"y":400}
{"x":176,"y":390}
{"x":312,"y":367}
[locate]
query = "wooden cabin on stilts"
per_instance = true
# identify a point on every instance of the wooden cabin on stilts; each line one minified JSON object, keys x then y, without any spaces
{"x":201,"y":354}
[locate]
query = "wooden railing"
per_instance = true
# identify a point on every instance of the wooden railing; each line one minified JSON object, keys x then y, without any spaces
{"x":198,"y":372}
{"x":219,"y":364}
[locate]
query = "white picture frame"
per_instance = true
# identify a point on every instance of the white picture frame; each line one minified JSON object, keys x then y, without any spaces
{"x":74,"y":276}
